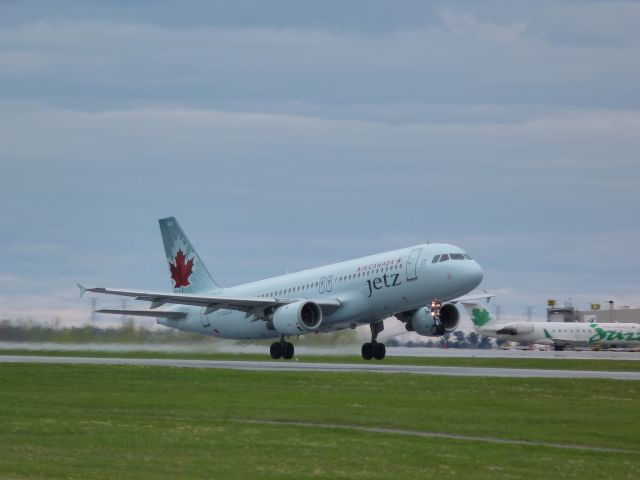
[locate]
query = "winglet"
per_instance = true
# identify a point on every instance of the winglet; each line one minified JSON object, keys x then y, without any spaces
{"x":82,"y":289}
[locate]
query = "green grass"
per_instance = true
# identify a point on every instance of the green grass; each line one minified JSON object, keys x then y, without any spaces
{"x":69,"y":421}
{"x":544,"y":363}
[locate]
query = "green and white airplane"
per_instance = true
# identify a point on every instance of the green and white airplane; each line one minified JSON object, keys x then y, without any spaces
{"x":557,"y":334}
{"x":413,"y":284}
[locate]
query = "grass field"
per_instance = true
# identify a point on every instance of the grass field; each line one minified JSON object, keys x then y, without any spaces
{"x":84,"y":422}
{"x":544,"y":363}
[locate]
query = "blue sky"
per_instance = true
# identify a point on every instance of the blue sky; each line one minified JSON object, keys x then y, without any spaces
{"x":286,"y":135}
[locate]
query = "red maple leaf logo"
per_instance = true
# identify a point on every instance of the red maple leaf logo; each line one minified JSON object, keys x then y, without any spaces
{"x":181,"y":270}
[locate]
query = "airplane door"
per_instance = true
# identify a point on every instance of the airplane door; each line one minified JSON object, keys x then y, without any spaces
{"x":323,"y":281}
{"x":412,"y":263}
{"x":329,"y":283}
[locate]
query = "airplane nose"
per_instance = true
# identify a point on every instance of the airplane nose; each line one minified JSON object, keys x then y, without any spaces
{"x":476,"y":274}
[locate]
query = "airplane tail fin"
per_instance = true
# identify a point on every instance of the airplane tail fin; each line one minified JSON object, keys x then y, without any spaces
{"x":480,"y":316}
{"x":188,"y":273}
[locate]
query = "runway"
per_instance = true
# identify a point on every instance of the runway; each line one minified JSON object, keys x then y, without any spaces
{"x":306,"y":350}
{"x":293,"y":366}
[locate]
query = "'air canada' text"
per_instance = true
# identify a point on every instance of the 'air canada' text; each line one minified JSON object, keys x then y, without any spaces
{"x":387,"y":280}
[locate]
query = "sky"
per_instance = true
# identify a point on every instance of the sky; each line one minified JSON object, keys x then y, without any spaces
{"x":290,"y":134}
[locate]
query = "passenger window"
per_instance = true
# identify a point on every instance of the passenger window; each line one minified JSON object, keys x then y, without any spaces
{"x":435,"y":259}
{"x":444,"y":257}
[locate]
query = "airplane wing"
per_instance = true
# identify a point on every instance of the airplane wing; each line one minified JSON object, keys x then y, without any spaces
{"x":209,"y":302}
{"x":562,"y":342}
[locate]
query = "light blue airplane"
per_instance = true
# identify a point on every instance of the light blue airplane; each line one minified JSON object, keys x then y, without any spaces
{"x":413,"y":284}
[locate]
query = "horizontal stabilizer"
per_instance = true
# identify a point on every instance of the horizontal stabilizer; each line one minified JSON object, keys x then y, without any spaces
{"x":146,"y":313}
{"x":470,"y":298}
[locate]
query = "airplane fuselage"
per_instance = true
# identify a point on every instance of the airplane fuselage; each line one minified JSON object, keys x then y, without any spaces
{"x":369,"y":289}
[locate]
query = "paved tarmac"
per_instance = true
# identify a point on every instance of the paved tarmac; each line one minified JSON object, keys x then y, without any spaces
{"x":294,"y":366}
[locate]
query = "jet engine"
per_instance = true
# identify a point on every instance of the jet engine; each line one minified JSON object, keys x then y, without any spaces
{"x":297,"y":318}
{"x":515,"y":329}
{"x":433,"y":323}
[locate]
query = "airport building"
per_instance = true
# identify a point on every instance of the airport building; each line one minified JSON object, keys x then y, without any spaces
{"x":611,"y":314}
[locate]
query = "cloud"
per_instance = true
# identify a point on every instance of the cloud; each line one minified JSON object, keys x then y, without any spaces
{"x":588,"y":24}
{"x":459,"y":57}
{"x":286,"y":139}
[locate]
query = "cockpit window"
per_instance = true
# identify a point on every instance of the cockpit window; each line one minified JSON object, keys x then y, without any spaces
{"x":456,"y":256}
{"x":467,"y":256}
{"x":435,"y":259}
{"x":444,"y":257}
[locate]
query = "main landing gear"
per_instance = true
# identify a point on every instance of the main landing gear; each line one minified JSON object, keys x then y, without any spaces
{"x":374,"y":349}
{"x":282,"y":349}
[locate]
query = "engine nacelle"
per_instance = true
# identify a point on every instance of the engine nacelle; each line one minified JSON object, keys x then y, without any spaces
{"x":424,"y":323}
{"x":297,"y":318}
{"x":515,"y":329}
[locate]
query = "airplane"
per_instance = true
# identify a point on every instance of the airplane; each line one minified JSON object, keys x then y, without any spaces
{"x":557,"y":334}
{"x":418,"y":285}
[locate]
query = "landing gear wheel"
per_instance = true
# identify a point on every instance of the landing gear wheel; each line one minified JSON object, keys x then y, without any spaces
{"x":288,"y":350}
{"x":558,"y":348}
{"x":379,"y":351}
{"x":276,"y":350}
{"x":367,"y":351}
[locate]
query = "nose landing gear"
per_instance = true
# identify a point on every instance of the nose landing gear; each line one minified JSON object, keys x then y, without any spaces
{"x":374,"y":349}
{"x":436,"y":329}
